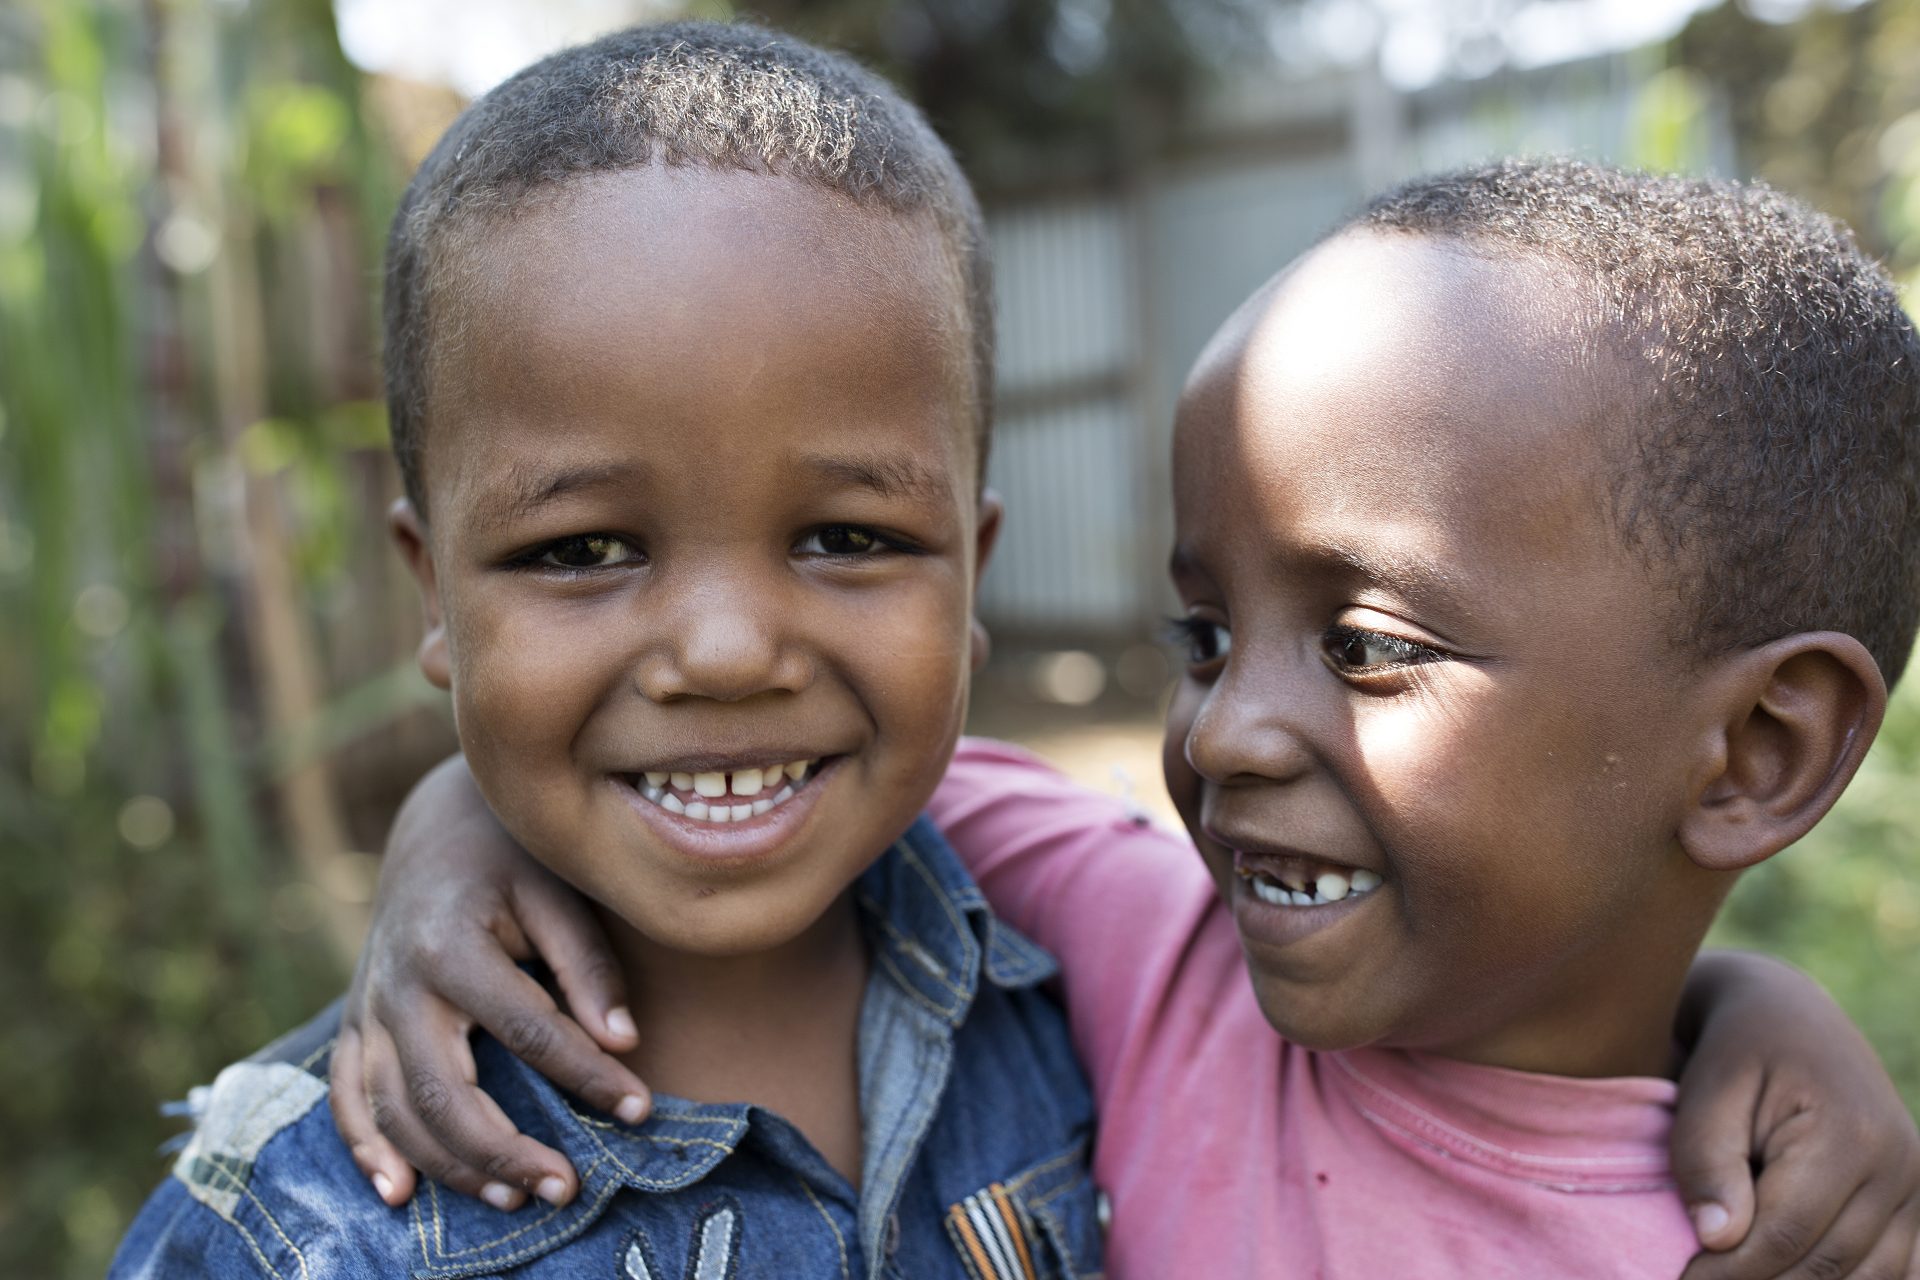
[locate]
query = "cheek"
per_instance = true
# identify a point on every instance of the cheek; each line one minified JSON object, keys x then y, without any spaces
{"x":524,"y":680}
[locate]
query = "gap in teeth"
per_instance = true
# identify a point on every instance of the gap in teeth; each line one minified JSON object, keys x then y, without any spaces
{"x":736,"y":795}
{"x":1296,"y":886}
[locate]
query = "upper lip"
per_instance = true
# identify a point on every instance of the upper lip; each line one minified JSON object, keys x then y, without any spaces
{"x":731,"y":761}
{"x":1260,"y":848}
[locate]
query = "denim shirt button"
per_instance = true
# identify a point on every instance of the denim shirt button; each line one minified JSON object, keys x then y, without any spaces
{"x":893,"y":1234}
{"x":1103,"y":1211}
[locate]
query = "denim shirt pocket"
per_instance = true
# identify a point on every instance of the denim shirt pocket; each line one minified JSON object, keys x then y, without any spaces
{"x":1040,"y":1224}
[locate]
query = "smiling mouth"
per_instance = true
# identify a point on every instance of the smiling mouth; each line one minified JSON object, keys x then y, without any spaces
{"x":725,"y":796}
{"x":1294,"y":881}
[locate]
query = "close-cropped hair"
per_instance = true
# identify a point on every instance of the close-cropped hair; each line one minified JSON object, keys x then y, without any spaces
{"x":728,"y":96}
{"x":1770,"y":473}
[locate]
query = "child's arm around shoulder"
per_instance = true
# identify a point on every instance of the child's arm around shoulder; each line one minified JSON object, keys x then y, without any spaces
{"x":1776,"y":1072}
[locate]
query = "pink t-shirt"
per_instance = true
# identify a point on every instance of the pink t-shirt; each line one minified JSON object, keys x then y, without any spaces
{"x":1228,"y":1152}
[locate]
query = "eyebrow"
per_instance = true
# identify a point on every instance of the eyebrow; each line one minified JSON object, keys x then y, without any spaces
{"x":888,"y":475}
{"x":1405,"y":573}
{"x":525,"y":490}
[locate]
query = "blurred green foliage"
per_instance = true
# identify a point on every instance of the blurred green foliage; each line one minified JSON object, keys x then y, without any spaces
{"x":198,"y":614}
{"x":160,"y":169}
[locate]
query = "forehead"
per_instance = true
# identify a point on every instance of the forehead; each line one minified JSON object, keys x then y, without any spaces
{"x":1392,"y":389}
{"x":692,"y":291}
{"x":1416,"y":371}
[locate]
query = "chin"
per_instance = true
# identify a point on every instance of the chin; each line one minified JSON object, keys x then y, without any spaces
{"x":1299,"y":1022}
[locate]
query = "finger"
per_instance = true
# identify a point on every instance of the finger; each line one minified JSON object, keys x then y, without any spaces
{"x":1796,"y":1205}
{"x":1893,"y":1257}
{"x":466,"y":1123}
{"x":403,"y":1109}
{"x":1712,"y":1149}
{"x":520,"y":1014}
{"x":564,"y":930}
{"x":378,"y":1159}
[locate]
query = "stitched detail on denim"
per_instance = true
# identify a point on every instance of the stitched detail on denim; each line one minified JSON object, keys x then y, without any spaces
{"x":251,"y":1104}
{"x":1027,"y":1177}
{"x":686,"y":1117}
{"x":1015,"y":960}
{"x":839,"y":1241}
{"x":585,"y":1218}
{"x":640,"y":1179}
{"x":638,"y":1261}
{"x":913,"y":947}
{"x":901,"y":980}
{"x":307,"y":1064}
{"x":439,"y":1233}
{"x":220,"y":1171}
{"x":1057,"y":1232}
{"x":960,"y":929}
{"x":679,"y":1117}
{"x":932,"y":1065}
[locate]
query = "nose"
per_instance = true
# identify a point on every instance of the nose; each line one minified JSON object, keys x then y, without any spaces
{"x":1248,"y":731}
{"x":721,"y":639}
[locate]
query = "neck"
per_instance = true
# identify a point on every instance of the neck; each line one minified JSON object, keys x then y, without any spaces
{"x":681,"y":999}
{"x":778,"y":1028}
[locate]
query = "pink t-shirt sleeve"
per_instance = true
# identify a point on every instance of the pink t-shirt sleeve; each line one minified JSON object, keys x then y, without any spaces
{"x":1116,"y":899}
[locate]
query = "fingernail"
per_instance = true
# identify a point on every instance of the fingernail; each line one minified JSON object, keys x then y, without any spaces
{"x":383,"y":1186}
{"x":620,"y":1022}
{"x":552,"y":1190}
{"x":1710,"y":1219}
{"x":498,"y":1194}
{"x":632,"y":1108}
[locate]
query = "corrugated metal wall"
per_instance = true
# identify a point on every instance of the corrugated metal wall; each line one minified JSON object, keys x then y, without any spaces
{"x":1106,"y":300}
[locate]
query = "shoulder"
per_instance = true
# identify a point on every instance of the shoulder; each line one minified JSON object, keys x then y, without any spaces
{"x":998,"y":800}
{"x":264,"y":1185}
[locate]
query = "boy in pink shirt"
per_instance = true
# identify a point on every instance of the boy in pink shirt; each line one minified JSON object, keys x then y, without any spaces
{"x":1548,"y":538}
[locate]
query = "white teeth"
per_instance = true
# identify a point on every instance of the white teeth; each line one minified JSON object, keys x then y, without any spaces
{"x":656,"y":779}
{"x":1328,"y":887}
{"x":750,"y":790}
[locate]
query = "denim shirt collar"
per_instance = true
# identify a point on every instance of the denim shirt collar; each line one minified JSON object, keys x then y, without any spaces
{"x":932,"y":936}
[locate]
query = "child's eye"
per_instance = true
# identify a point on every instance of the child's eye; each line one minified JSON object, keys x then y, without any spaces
{"x":586,"y":551}
{"x":1205,"y":642}
{"x":1354,"y":649}
{"x":843,"y":540}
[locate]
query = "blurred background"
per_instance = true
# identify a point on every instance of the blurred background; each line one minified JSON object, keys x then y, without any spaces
{"x":208,"y":708}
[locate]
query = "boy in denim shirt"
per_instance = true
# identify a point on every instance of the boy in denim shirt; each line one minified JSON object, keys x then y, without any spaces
{"x":689,"y":345}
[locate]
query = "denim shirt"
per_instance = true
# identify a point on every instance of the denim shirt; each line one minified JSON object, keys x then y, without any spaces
{"x":976,"y":1122}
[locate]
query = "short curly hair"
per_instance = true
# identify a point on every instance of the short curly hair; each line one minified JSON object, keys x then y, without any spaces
{"x":717,"y":95}
{"x":1771,"y":474}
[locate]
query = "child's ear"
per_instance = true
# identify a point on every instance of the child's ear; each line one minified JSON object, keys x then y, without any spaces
{"x":410,"y":533}
{"x":1797,"y":718}
{"x":986,"y":535}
